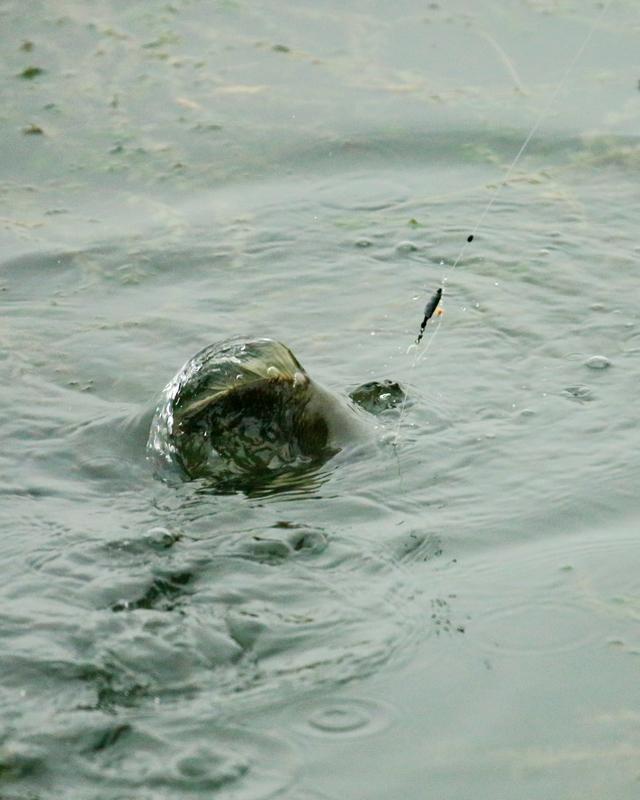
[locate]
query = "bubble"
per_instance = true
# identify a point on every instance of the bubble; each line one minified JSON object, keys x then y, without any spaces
{"x":406,"y":247}
{"x":598,"y":362}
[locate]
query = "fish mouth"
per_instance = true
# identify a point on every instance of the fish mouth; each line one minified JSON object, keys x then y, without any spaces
{"x":263,"y":430}
{"x":244,"y":415}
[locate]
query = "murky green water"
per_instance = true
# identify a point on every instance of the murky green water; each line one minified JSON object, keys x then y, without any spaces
{"x":454,"y":616}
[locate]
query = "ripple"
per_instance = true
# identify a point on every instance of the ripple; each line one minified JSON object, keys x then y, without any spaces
{"x":242,"y":615}
{"x":580,"y":394}
{"x":631,"y":345}
{"x":345,"y":718}
{"x":164,"y":592}
{"x":155,"y":540}
{"x":416,"y":546}
{"x":194,"y":757}
{"x":283,"y":541}
{"x":556,"y":595}
{"x":534,"y":627}
{"x":601,"y":561}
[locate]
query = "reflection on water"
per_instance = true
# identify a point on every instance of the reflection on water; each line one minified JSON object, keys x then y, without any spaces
{"x":454,"y":614}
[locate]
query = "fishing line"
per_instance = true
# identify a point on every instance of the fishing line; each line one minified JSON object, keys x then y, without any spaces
{"x":432,"y":304}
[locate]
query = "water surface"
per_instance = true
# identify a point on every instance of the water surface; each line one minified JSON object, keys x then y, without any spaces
{"x":454,"y":615}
